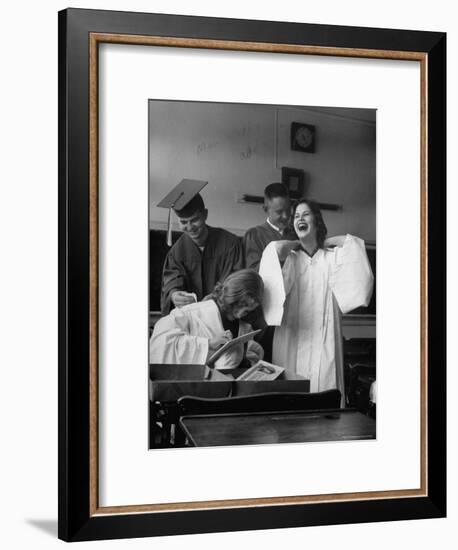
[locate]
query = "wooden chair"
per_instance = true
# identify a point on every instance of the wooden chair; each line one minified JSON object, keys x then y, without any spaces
{"x":263,"y":402}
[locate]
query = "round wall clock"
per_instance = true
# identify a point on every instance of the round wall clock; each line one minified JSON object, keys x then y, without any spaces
{"x":302,"y":137}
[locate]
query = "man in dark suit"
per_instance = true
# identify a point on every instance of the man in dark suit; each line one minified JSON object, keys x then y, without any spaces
{"x":277,"y":226}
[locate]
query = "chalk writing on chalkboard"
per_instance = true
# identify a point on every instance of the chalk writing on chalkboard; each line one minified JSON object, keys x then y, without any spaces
{"x":206,"y":146}
{"x":250,"y":151}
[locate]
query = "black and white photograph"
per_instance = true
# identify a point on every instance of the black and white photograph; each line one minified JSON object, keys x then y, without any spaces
{"x":262,"y":269}
{"x":225,"y":267}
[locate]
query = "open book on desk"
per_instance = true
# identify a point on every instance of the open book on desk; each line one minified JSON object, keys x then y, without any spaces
{"x":228,"y":345}
{"x":262,"y":371}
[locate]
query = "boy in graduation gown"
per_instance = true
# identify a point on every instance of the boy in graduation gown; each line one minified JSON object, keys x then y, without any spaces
{"x":277,"y":226}
{"x":201,"y":257}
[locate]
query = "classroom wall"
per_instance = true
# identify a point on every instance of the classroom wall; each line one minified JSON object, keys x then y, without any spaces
{"x":239,"y":149}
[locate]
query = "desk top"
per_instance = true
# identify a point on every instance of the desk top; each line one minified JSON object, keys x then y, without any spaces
{"x":278,"y":427}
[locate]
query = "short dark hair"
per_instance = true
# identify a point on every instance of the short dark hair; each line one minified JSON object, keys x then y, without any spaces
{"x":321,"y":229}
{"x":276,"y":190}
{"x":196,"y":204}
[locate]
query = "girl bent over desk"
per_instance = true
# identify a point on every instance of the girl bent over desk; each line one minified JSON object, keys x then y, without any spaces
{"x":191,"y":334}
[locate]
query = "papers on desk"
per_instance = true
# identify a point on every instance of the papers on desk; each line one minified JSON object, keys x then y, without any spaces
{"x":234,"y":342}
{"x":262,"y":371}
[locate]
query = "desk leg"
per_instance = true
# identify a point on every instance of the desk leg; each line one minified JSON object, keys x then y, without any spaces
{"x":180,"y":437}
{"x":160,"y":427}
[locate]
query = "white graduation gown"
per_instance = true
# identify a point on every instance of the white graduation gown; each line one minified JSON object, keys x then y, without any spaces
{"x":182,"y":337}
{"x":308,"y":295}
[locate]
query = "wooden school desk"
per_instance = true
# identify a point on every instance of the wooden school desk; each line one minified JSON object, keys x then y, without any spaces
{"x":277,"y":427}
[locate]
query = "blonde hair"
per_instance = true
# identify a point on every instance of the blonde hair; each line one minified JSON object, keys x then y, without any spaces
{"x":238,"y":286}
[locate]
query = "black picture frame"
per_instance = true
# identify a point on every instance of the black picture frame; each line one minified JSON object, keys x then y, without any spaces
{"x":294,"y":180}
{"x":79,"y":516}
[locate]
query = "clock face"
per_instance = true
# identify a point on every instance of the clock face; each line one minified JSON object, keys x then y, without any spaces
{"x":302,"y":137}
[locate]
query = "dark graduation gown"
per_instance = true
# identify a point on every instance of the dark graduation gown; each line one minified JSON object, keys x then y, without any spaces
{"x":257,"y":238}
{"x":187,"y":268}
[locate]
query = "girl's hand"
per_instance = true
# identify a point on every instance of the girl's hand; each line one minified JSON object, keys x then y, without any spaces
{"x":219,"y":340}
{"x":334,"y":241}
{"x":254,"y":352}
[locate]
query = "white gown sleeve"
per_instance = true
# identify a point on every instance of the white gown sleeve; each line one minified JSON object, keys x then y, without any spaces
{"x":277,"y":283}
{"x":351,"y":278}
{"x":172,"y":343}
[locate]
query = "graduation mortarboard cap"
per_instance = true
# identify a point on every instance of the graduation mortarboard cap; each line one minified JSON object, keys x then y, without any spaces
{"x":185,"y":200}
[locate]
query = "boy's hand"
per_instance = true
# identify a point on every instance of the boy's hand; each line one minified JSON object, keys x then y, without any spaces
{"x":284,"y":248}
{"x":181,"y":298}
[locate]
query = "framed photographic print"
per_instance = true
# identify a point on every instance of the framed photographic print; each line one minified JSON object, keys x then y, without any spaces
{"x":293,"y":178}
{"x":224,"y":364}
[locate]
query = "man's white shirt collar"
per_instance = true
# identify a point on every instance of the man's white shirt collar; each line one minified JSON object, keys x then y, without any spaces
{"x":274,"y":227}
